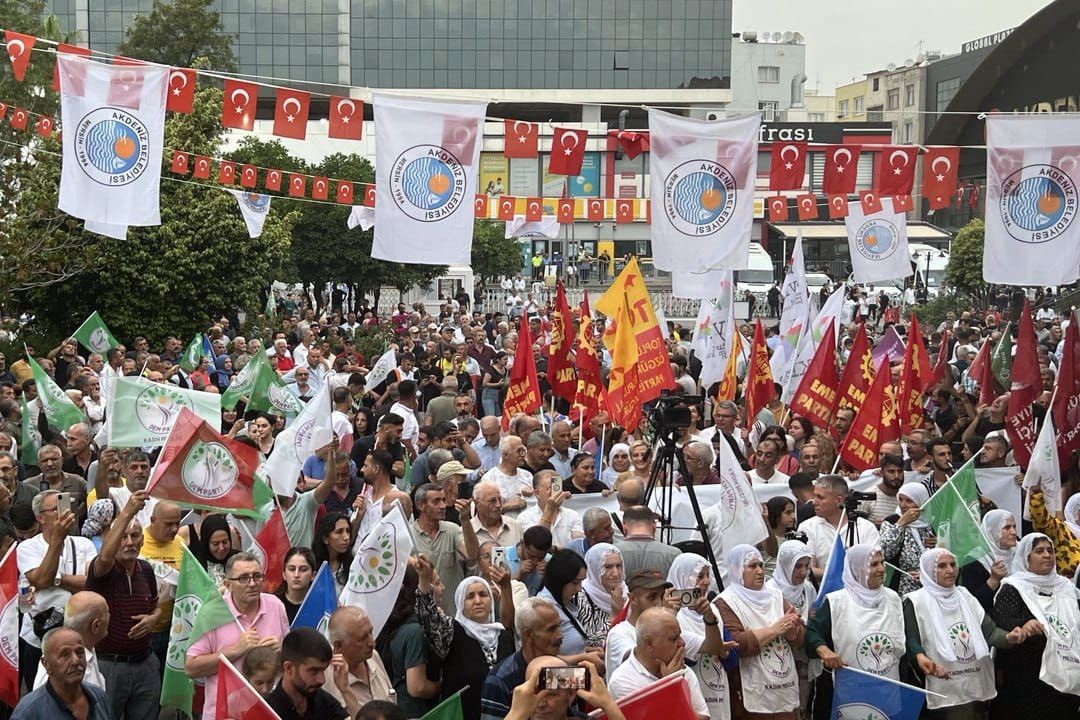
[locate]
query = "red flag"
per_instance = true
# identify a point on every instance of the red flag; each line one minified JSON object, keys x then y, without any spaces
{"x":759,"y":380}
{"x":858,"y":373}
{"x":624,"y":210}
{"x":346,"y":118}
{"x":778,"y":209}
{"x":344,"y":192}
{"x":632,"y":143}
{"x":874,"y":424}
{"x":77,"y":78}
{"x":291,"y":113}
{"x":9,"y":628}
{"x":236,"y":699}
{"x":566,"y":210}
{"x":939,"y":175}
{"x":459,"y":137}
{"x":815,"y":398}
{"x":320,"y":188}
{"x":807,"y":205}
{"x":369,"y":195}
{"x":915,"y":379}
{"x":480,"y":205}
{"x":1066,"y":407}
{"x":507,"y":204}
{"x":838,"y":207}
{"x":973,"y":200}
{"x":594,"y":209}
{"x":534,"y":209}
{"x":902,"y":203}
{"x":202,"y":168}
{"x":981,"y":371}
{"x":520,"y":139}
{"x":227,"y":173}
{"x":179,"y":162}
{"x":19,"y":118}
{"x":249,"y":176}
{"x":788,"y":166}
{"x":272,"y":542}
{"x":870,"y":202}
{"x":523,"y":389}
{"x":560,"y":370}
{"x":941,"y":362}
{"x":1025,"y":390}
{"x":273,"y":180}
{"x":238,"y":105}
{"x":18,"y":51}
{"x":668,"y":698}
{"x":44,"y":126}
{"x":181,"y":97}
{"x":589,"y":395}
{"x":200,"y":467}
{"x":896,"y":170}
{"x":297,"y":185}
{"x":567,"y":151}
{"x":841,"y":167}
{"x":3,"y":110}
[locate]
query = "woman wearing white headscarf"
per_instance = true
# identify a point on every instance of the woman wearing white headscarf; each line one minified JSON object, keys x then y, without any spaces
{"x":604,"y":591}
{"x":707,"y":650}
{"x":949,"y":637}
{"x":618,"y":463}
{"x":1041,"y":677}
{"x":1063,"y":528}
{"x":791,"y":578}
{"x":765,"y":684}
{"x":983,"y":578}
{"x":904,"y":539}
{"x":862,"y":624}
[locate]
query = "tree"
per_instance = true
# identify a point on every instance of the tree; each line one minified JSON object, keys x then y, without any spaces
{"x":964,"y":271}
{"x":494,"y":254}
{"x":176,"y":33}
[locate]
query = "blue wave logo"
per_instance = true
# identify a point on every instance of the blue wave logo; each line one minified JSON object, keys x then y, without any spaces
{"x":1038,"y":203}
{"x":427,"y":182}
{"x":699,"y":198}
{"x":112,"y":146}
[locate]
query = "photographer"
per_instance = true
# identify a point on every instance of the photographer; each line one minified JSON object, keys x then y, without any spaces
{"x":835,"y":505}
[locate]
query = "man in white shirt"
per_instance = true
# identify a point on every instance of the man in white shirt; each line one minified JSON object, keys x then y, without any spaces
{"x":765,"y":459}
{"x":647,"y":589}
{"x":564,"y":523}
{"x":830,"y":492}
{"x":87,"y":613}
{"x":300,"y":352}
{"x":406,"y":408}
{"x":514,"y":482}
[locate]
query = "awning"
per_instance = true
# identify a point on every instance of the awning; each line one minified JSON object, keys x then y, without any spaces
{"x":837,"y":231}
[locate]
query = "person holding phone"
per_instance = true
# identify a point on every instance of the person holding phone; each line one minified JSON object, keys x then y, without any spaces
{"x":545,"y":693}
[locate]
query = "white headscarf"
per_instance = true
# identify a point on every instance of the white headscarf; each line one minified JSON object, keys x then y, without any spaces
{"x":993,"y":523}
{"x":683,"y":575}
{"x":1072,"y":515}
{"x":736,"y":560}
{"x":918,"y":494}
{"x":487,"y":634}
{"x":857,"y":570}
{"x":616,"y":449}
{"x":594,"y":568}
{"x":950,"y":599}
{"x":787,"y":556}
{"x":1023,"y":578}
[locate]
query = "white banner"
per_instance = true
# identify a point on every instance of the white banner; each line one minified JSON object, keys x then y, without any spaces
{"x":698,"y":285}
{"x":878,"y":243}
{"x":254,"y":207}
{"x":116,"y":232}
{"x":427,"y":157}
{"x":363,"y":216}
{"x":378,"y":569}
{"x":999,"y":484}
{"x":382,"y":367}
{"x":1032,"y":173}
{"x":1044,"y":468}
{"x":713,"y":332}
{"x":702,"y":190}
{"x":793,"y":318}
{"x":113,"y":136}
{"x":546,"y":227}
{"x":310,"y":431}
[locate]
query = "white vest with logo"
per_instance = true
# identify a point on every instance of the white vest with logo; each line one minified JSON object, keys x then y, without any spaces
{"x":870,"y":639}
{"x":770,"y":682}
{"x":1058,"y":613}
{"x":710,"y":674}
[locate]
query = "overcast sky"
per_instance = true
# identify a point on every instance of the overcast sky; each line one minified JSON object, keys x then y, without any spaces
{"x":845,"y":40}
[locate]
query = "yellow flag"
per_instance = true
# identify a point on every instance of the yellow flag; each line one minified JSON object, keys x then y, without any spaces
{"x":624,"y":393}
{"x":729,"y":383}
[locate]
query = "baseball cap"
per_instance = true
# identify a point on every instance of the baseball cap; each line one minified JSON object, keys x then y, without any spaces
{"x":645,"y":579}
{"x":449,"y":469}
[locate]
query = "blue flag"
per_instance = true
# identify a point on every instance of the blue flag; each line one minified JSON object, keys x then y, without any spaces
{"x":833,"y":579}
{"x":207,"y":348}
{"x":320,"y":603}
{"x":860,"y":696}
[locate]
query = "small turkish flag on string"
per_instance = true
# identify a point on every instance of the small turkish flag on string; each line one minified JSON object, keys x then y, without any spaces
{"x":841,"y":167}
{"x":480,"y":206}
{"x":202,"y":168}
{"x":76,"y":77}
{"x":369,"y":195}
{"x":125,"y":87}
{"x":778,"y":210}
{"x":3,"y":110}
{"x":870,"y":202}
{"x":249,"y":176}
{"x":344,"y":192}
{"x":346,"y":118}
{"x":18,"y":51}
{"x":320,"y":188}
{"x":567,"y":151}
{"x":179,"y":162}
{"x":594,"y":209}
{"x":896,"y":170}
{"x":632,"y":143}
{"x":291,"y":113}
{"x":566,"y":210}
{"x":238,"y":105}
{"x":939,"y":175}
{"x":520,"y":139}
{"x":459,"y":137}
{"x":297,"y":185}
{"x":624,"y":210}
{"x":807,"y":206}
{"x":838,"y":207}
{"x":226,"y":173}
{"x":273,"y":180}
{"x":788,"y":166}
{"x":19,"y":119}
{"x":181,"y":97}
{"x":44,"y":126}
{"x":973,"y":200}
{"x":902,"y":203}
{"x":534,"y":209}
{"x":506,"y":207}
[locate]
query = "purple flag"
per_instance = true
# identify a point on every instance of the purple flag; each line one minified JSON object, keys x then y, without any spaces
{"x":891,"y":345}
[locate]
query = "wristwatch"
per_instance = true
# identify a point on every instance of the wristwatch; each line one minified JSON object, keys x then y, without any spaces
{"x":56,"y":581}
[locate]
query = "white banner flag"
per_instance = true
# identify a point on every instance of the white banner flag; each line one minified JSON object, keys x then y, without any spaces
{"x":142,"y":413}
{"x":999,"y":484}
{"x":1044,"y":470}
{"x":116,"y":232}
{"x":254,"y":207}
{"x":878,"y":243}
{"x":310,"y":431}
{"x":702,"y":189}
{"x":379,"y":568}
{"x":383,"y":366}
{"x":427,"y":156}
{"x":363,"y":216}
{"x":547,"y":227}
{"x":113,"y":135}
{"x":808,"y":343}
{"x":698,"y":285}
{"x":794,"y":316}
{"x":1032,"y":173}
{"x":713,"y":332}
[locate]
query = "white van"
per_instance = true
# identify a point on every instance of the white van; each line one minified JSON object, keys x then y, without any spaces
{"x":930,"y":263}
{"x":758,"y":276}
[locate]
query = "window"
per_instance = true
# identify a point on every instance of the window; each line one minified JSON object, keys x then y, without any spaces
{"x":875,"y":114}
{"x":908,"y":130}
{"x":768,"y":74}
{"x":909,"y":95}
{"x":946,"y":90}
{"x":844,"y":104}
{"x":858,"y":104}
{"x":876,"y":81}
{"x":892,"y":100}
{"x":818,"y":117}
{"x":768,"y":110}
{"x":622,"y":60}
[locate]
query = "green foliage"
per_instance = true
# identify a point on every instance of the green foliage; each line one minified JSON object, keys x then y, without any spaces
{"x":177,"y":32}
{"x":493,"y":254}
{"x":931,"y":314}
{"x":371,"y":342}
{"x":964,"y":271}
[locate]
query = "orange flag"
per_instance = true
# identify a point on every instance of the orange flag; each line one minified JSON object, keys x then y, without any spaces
{"x":815,"y":398}
{"x":875,"y":423}
{"x":759,"y":380}
{"x":1025,"y":390}
{"x":523,"y":391}
{"x":729,"y":383}
{"x":915,"y":378}
{"x":624,"y":389}
{"x":589,"y":396}
{"x":858,"y":373}
{"x":560,"y":365}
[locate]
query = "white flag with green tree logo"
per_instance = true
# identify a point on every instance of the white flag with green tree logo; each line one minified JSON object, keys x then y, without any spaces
{"x":141,"y":413}
{"x":94,"y":334}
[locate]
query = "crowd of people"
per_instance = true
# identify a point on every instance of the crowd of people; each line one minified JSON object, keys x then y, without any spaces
{"x":507,"y":580}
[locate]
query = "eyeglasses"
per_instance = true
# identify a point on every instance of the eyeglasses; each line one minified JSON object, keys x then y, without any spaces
{"x":252,"y":578}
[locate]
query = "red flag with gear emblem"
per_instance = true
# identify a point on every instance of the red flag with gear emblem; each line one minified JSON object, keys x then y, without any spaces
{"x":896,"y":170}
{"x":874,"y":424}
{"x":181,"y":97}
{"x":520,"y":139}
{"x":346,"y":118}
{"x":915,"y":378}
{"x":291,"y":113}
{"x":523,"y":387}
{"x":560,"y":371}
{"x":760,"y":388}
{"x":841,"y":168}
{"x":788,"y":166}
{"x":1025,"y":390}
{"x":589,"y":393}
{"x":567,"y":151}
{"x":858,"y":373}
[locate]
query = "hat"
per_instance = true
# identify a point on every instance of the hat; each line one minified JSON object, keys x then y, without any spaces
{"x":647,"y":580}
{"x":449,"y":469}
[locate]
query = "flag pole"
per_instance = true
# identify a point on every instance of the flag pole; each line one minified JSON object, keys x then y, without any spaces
{"x":893,"y":682}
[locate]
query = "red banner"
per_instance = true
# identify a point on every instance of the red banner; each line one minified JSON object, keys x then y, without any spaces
{"x":523,"y":390}
{"x":874,"y":424}
{"x":560,"y":370}
{"x":815,"y":398}
{"x":858,"y":373}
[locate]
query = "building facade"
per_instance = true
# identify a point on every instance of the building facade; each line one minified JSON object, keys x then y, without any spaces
{"x":767,"y":73}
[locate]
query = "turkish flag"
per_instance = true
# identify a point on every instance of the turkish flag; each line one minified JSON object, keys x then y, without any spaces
{"x":960,"y":190}
{"x":291,"y":113}
{"x":778,"y":211}
{"x":788,"y":166}
{"x":841,"y":167}
{"x":202,"y":168}
{"x":249,"y":176}
{"x":346,"y":118}
{"x":982,"y":373}
{"x":506,"y":207}
{"x":534,"y":209}
{"x":19,"y":119}
{"x":369,"y":195}
{"x":236,"y":699}
{"x":320,"y":188}
{"x":179,"y":162}
{"x":238,"y":105}
{"x":896,"y":170}
{"x":902,"y":203}
{"x":273,"y":180}
{"x":18,"y":50}
{"x":459,"y":137}
{"x":77,"y":77}
{"x":272,"y":542}
{"x":973,"y":199}
{"x":567,"y":151}
{"x":480,"y":206}
{"x":227,"y":173}
{"x":181,"y":97}
{"x":939,"y":175}
{"x":624,"y":210}
{"x":344,"y":192}
{"x":870,"y":201}
{"x":520,"y":139}
{"x":566,"y":210}
{"x":594,"y":208}
{"x":44,"y":126}
{"x":3,"y":110}
{"x":807,"y":206}
{"x":125,"y":86}
{"x":297,"y":185}
{"x":630,"y":142}
{"x":1065,"y":409}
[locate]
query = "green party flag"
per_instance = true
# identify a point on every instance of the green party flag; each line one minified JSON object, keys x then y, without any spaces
{"x":271,"y":308}
{"x":448,"y":709}
{"x":193,"y":354}
{"x":1001,"y":358}
{"x":199,"y":609}
{"x":262,"y":387}
{"x":142,"y":412}
{"x":60,"y":411}
{"x":949,"y":513}
{"x":94,"y":334}
{"x":29,"y":442}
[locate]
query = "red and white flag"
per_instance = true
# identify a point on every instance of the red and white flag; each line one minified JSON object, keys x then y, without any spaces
{"x":369,"y":195}
{"x":273,"y":180}
{"x":344,"y":192}
{"x":76,"y":80}
{"x":534,"y":209}
{"x":632,"y":143}
{"x":271,"y":544}
{"x":181,"y":97}
{"x":346,"y":118}
{"x":202,"y":168}
{"x":320,"y":188}
{"x":297,"y":185}
{"x":236,"y":699}
{"x":807,"y":205}
{"x":841,"y":167}
{"x":870,"y":201}
{"x":44,"y":126}
{"x":624,"y":210}
{"x":788,"y":166}
{"x":594,"y":208}
{"x":896,"y":170}
{"x":521,"y":139}
{"x":939,"y":175}
{"x":480,"y":206}
{"x":179,"y":162}
{"x":506,"y":207}
{"x":9,"y":629}
{"x":567,"y":151}
{"x":238,"y":105}
{"x":838,"y":207}
{"x":1026,"y":387}
{"x":291,"y":113}
{"x":778,"y":210}
{"x":668,"y":697}
{"x":226,"y":173}
{"x":1066,"y":407}
{"x":566,"y":210}
{"x":249,"y":176}
{"x":902,"y":203}
{"x":18,"y":51}
{"x":19,"y":118}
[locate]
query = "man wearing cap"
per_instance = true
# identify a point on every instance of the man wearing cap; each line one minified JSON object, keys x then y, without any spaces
{"x":443,"y":436}
{"x":648,"y":589}
{"x":449,"y":477}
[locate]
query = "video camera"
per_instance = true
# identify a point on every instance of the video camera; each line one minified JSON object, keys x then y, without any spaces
{"x":672,"y":412}
{"x":856,"y":498}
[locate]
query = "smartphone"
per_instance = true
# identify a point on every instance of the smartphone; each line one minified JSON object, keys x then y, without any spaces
{"x":498,"y":558}
{"x":688,"y":597}
{"x":556,"y":486}
{"x":564,"y":678}
{"x":63,"y":503}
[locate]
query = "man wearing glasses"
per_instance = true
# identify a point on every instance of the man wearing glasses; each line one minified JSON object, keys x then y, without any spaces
{"x":260,"y":615}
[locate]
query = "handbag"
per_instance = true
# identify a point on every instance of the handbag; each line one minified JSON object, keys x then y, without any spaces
{"x":52,"y":618}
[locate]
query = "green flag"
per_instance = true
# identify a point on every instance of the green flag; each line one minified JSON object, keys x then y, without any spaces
{"x":263,"y":388}
{"x":271,"y":308}
{"x":94,"y":334}
{"x":448,"y":709}
{"x":949,"y":513}
{"x":142,"y":412}
{"x":193,"y":354}
{"x":29,"y":442}
{"x":1001,"y":358}
{"x":60,"y":411}
{"x":199,"y":609}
